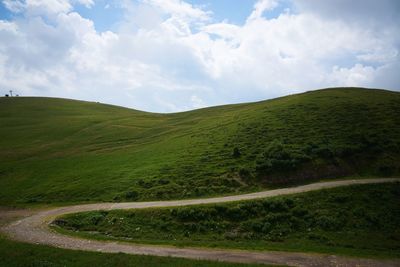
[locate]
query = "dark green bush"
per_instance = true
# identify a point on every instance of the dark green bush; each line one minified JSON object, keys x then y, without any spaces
{"x":244,"y":173}
{"x":299,"y":212}
{"x":236,"y":152}
{"x":280,"y":157}
{"x":327,"y":223}
{"x":276,"y":205}
{"x":132,"y":195}
{"x":235,"y":213}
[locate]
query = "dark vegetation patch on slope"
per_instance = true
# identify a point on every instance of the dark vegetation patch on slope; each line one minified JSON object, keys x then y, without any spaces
{"x":360,"y":220}
{"x":56,"y":150}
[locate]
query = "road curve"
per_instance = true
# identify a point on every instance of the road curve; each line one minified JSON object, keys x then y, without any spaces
{"x":35,"y":229}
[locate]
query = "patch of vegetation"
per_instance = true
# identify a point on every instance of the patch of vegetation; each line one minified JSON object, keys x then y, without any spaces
{"x":20,"y":254}
{"x":58,"y":151}
{"x":360,"y":220}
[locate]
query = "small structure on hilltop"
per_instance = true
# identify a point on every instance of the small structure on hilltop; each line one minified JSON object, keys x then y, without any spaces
{"x":11,"y":94}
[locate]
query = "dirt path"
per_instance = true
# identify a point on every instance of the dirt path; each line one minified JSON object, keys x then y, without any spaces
{"x":34,"y":229}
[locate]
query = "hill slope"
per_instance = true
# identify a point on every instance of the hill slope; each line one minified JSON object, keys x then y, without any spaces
{"x":57,"y":150}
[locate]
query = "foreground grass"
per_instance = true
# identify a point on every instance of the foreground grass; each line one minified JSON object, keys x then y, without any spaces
{"x":20,"y":254}
{"x":359,"y":220}
{"x":64,"y":151}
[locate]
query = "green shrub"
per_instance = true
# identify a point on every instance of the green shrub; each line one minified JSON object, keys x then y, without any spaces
{"x":299,"y":212}
{"x":327,"y":223}
{"x":244,"y":173}
{"x":279,"y":157}
{"x":235,"y":213}
{"x":236,"y":152}
{"x":132,"y":195}
{"x":276,"y":205}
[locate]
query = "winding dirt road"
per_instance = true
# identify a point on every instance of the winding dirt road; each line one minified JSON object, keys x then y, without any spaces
{"x":35,"y":229}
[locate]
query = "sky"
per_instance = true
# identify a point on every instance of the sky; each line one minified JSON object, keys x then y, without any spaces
{"x":175,"y":55}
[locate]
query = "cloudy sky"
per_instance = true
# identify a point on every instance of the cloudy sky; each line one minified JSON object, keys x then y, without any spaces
{"x":174,"y":55}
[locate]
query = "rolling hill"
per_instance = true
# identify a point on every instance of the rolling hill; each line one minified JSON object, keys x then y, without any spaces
{"x":58,"y":150}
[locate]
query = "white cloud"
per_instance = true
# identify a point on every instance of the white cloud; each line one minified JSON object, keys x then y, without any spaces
{"x":286,"y":54}
{"x":358,"y":11}
{"x":197,"y":102}
{"x":44,"y":7}
{"x":260,"y":7}
{"x":86,"y":3}
{"x":15,"y":6}
{"x":358,"y":74}
{"x":38,"y":7}
{"x":180,"y":9}
{"x":6,"y":26}
{"x":169,"y":55}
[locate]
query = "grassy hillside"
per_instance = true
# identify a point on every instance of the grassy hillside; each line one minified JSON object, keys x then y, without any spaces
{"x":360,"y":220}
{"x":57,"y":150}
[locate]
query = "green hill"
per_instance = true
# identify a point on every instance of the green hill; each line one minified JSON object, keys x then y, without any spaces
{"x":57,"y":150}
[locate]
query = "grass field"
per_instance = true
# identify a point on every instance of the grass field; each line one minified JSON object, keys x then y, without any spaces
{"x":65,"y":151}
{"x":14,"y":254}
{"x":359,"y":220}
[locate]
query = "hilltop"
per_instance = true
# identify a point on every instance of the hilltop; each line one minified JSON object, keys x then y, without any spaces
{"x":58,"y":150}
